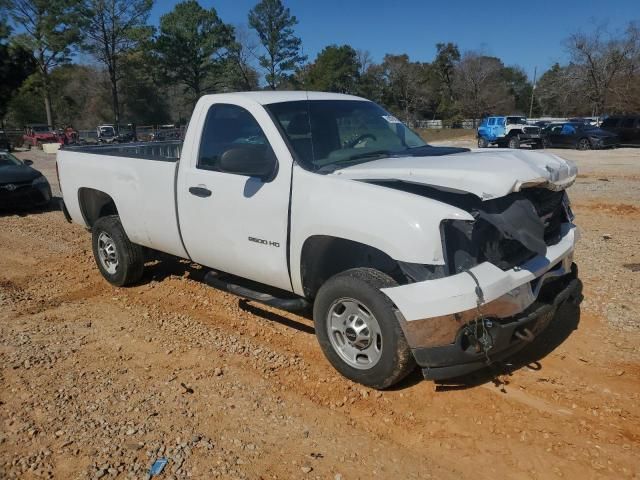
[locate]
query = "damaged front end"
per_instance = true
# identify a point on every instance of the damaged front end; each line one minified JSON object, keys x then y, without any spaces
{"x":506,"y":272}
{"x":506,"y":231}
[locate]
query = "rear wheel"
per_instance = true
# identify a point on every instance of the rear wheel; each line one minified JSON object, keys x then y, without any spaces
{"x":583,"y":144}
{"x":358,"y":331}
{"x":514,"y":142}
{"x":482,"y":143}
{"x":120,"y":262}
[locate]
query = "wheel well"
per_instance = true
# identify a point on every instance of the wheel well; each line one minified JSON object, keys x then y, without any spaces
{"x":324,"y":256}
{"x":95,"y":204}
{"x":514,"y":132}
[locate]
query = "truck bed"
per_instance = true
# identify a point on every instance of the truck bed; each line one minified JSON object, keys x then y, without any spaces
{"x":168,"y":151}
{"x":139,"y":177}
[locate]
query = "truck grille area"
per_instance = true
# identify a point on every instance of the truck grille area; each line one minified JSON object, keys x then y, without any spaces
{"x":506,"y":232}
{"x":531,"y":130}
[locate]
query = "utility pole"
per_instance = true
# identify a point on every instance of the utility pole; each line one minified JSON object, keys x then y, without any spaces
{"x":535,"y":72}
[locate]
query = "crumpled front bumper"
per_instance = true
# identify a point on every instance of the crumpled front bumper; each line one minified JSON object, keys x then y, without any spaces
{"x":442,"y":319}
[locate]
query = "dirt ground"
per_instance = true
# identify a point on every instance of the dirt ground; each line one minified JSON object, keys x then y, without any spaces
{"x":98,"y":382}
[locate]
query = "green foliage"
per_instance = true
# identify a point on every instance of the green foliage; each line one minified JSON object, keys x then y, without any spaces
{"x":441,"y":78}
{"x":274,"y":26}
{"x":49,"y":32}
{"x":192,"y":47}
{"x":144,"y":94}
{"x":21,"y":108}
{"x":16,"y":64}
{"x":335,"y":70}
{"x":519,"y":87}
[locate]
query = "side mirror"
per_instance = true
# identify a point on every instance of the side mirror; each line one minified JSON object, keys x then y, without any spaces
{"x":249,"y":159}
{"x":28,"y":162}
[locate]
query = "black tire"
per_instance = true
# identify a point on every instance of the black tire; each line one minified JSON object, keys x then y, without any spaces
{"x":583,"y":144}
{"x":514,"y":142}
{"x":129,"y":258}
{"x":363,"y":285}
{"x":546,"y":143}
{"x":482,"y":143}
{"x":537,"y":145}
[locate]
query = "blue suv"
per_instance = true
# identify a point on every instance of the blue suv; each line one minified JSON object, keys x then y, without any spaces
{"x":512,"y":132}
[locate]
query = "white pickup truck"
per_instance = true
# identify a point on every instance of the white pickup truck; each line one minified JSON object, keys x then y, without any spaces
{"x":409,"y":253}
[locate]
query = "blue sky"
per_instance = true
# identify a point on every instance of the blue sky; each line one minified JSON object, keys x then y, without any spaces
{"x":528,"y":37}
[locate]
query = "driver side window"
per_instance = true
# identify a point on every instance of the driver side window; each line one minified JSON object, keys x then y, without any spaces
{"x":225,"y":127}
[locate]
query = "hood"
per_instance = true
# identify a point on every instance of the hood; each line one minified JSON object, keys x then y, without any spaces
{"x":17,"y":174}
{"x":485,"y":173}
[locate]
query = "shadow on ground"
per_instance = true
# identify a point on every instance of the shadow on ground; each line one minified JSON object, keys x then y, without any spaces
{"x":566,"y":319}
{"x":53,"y":206}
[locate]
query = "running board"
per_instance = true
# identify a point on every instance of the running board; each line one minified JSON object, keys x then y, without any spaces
{"x":293,"y":304}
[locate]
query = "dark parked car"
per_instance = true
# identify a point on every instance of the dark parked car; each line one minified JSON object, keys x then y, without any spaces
{"x":20,"y":185}
{"x":579,"y":136}
{"x":626,"y":127}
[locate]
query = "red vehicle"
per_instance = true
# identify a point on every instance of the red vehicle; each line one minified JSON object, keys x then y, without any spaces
{"x":68,"y":136}
{"x":37,"y":134}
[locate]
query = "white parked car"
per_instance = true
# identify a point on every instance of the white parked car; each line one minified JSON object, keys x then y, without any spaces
{"x":409,"y":253}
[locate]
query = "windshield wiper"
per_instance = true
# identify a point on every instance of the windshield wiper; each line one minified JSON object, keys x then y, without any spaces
{"x":373,"y":153}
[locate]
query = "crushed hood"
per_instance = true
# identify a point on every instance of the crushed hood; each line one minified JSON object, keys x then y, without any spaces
{"x":490,"y":173}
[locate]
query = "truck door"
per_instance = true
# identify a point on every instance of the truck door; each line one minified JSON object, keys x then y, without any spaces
{"x":231,"y":222}
{"x":499,"y":129}
{"x":491,"y":125}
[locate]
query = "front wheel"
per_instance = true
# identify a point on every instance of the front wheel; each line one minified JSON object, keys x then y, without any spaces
{"x":514,"y":142}
{"x":358,"y":331}
{"x":120,"y":262}
{"x":583,"y":144}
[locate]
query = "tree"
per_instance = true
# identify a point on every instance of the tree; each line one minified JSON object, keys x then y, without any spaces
{"x":405,"y":85}
{"x":239,"y":74}
{"x":111,"y":29}
{"x":274,"y":26}
{"x":335,"y":70}
{"x":145,"y":95}
{"x":16,"y":64}
{"x":518,"y":86}
{"x":479,"y":86}
{"x":601,"y":59}
{"x":444,"y":65}
{"x":49,"y":33}
{"x":556,"y":92}
{"x":192,"y":46}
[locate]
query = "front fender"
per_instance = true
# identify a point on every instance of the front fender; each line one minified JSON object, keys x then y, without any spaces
{"x":403,"y":225}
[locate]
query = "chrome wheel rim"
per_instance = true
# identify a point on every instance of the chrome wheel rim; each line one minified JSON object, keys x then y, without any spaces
{"x":354,"y":333}
{"x":107,"y":253}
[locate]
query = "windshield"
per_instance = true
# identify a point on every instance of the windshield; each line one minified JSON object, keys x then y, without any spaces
{"x":40,"y":128}
{"x":107,"y":131}
{"x":331,"y":134}
{"x":516,"y":121}
{"x":8,"y":160}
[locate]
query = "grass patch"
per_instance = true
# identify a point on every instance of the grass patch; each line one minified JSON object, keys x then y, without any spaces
{"x":434,"y":134}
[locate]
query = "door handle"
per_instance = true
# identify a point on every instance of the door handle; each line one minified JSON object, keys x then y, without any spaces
{"x":200,"y":192}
